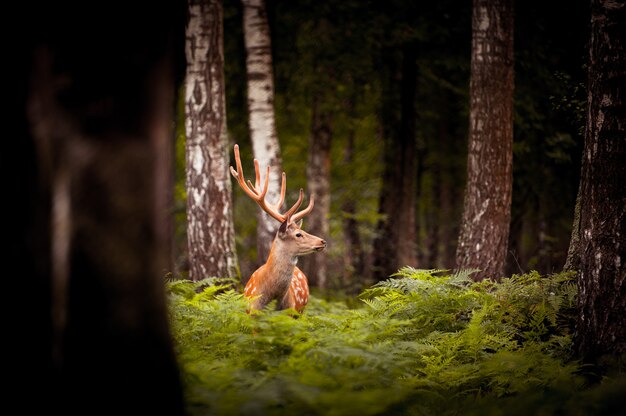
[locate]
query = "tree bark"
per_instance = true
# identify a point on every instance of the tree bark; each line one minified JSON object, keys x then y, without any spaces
{"x":318,"y":182}
{"x":448,"y":218}
{"x":354,"y":257}
{"x":434,"y":221}
{"x":98,"y":121}
{"x":487,"y":206}
{"x":599,"y":251}
{"x":395,"y":245}
{"x":262,"y":121}
{"x":572,"y":262}
{"x":210,"y":230}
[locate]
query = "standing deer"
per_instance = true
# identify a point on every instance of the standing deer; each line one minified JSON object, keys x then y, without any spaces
{"x":279,"y":278}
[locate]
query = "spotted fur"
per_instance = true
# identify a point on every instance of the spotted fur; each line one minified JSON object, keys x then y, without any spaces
{"x":279,"y":279}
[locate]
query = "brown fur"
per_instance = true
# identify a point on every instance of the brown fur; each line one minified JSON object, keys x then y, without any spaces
{"x":279,"y":278}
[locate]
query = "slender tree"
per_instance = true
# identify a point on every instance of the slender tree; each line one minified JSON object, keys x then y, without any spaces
{"x":322,"y":78}
{"x":95,"y":122}
{"x":487,"y":207}
{"x":395,"y":245}
{"x":318,"y":184}
{"x":262,"y":121}
{"x":210,"y":230}
{"x":354,"y":256}
{"x":598,"y":251}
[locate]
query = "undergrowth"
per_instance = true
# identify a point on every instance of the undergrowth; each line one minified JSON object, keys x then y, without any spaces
{"x":425,"y":342}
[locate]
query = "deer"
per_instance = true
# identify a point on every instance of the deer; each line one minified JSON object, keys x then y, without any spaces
{"x":279,"y":278}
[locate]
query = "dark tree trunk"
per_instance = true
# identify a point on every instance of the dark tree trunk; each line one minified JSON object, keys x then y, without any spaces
{"x":210,"y":230}
{"x":163,"y":134}
{"x":97,"y":126}
{"x":27,"y":222}
{"x":601,"y":225}
{"x":354,"y":257}
{"x":515,"y":247}
{"x":395,"y":245}
{"x":572,"y":262}
{"x":421,"y":210}
{"x":487,"y":207}
{"x":448,"y":219}
{"x":433,"y":221}
{"x":315,"y":266}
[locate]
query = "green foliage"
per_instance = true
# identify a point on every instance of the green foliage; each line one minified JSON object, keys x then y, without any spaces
{"x":423,"y":342}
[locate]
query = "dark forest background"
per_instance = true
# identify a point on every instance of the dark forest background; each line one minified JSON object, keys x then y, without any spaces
{"x":346,"y":52}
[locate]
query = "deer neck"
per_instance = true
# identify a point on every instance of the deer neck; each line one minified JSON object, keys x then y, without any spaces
{"x":280,"y":266}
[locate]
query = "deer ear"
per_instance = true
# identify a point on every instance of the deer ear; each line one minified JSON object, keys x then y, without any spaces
{"x":299,"y":223}
{"x":283,"y":227}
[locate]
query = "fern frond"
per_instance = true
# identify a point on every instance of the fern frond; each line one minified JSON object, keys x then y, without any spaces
{"x":413,"y":273}
{"x":462,"y":276}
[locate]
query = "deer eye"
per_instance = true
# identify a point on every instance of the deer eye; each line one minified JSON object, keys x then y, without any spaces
{"x":298,"y":235}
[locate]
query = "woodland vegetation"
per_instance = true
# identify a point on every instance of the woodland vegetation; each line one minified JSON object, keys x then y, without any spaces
{"x":467,"y":163}
{"x":426,"y":342}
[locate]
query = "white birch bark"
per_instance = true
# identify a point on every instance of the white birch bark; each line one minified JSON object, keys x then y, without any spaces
{"x":210,"y":230}
{"x":262,"y":122}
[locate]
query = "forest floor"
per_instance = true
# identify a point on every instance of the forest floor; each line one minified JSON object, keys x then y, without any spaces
{"x":422,"y":343}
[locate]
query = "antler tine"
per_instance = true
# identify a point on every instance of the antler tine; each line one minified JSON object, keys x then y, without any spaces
{"x":295,"y":206}
{"x":257,"y":174}
{"x":238,"y":174}
{"x":283,"y":187}
{"x":298,"y":216}
{"x":266,"y":184}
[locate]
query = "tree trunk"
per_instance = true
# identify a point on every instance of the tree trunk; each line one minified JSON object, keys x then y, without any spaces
{"x":163,"y":134}
{"x":318,"y":182}
{"x":262,"y":122}
{"x":601,"y":327}
{"x":448,"y":219}
{"x":487,"y":207}
{"x":99,"y":119}
{"x":394,"y":246}
{"x":354,"y":257}
{"x":434,"y":219}
{"x":210,"y":230}
{"x":572,"y":262}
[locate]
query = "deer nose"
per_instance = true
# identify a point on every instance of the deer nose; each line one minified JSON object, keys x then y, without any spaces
{"x":324,"y":242}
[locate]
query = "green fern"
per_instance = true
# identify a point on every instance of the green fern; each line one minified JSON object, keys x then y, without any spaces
{"x":423,"y":342}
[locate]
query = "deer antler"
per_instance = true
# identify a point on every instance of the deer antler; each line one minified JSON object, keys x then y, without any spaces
{"x":257,"y":193}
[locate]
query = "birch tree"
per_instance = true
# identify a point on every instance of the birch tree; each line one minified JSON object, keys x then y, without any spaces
{"x":262,"y":122}
{"x":599,"y":231}
{"x":484,"y":232}
{"x":210,"y":230}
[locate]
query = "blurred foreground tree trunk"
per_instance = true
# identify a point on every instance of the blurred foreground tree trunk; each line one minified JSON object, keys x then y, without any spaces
{"x":395,"y":245}
{"x":262,"y":121}
{"x":210,"y":229}
{"x":598,"y":253}
{"x":94,"y":134}
{"x":487,"y":207}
